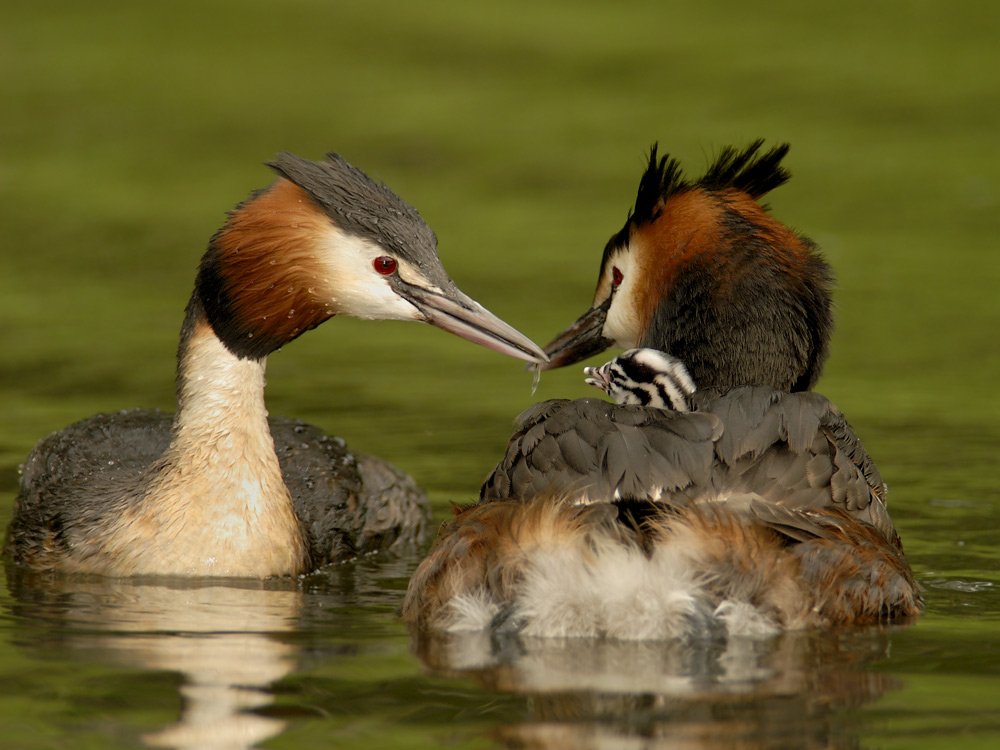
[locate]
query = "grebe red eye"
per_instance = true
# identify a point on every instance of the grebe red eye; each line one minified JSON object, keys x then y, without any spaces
{"x":384,"y":264}
{"x":616,"y":277}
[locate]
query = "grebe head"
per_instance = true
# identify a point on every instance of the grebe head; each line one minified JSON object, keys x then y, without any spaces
{"x":701,"y":270}
{"x":323,"y":240}
{"x":645,"y":377}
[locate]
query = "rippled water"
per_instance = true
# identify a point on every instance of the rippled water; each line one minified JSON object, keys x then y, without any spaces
{"x":519,"y":131}
{"x":323,"y":662}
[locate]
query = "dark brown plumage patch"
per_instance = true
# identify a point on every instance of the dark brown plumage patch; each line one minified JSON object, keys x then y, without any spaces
{"x":361,"y":207}
{"x":856,"y":574}
{"x":260,"y":280}
{"x":725,"y":287}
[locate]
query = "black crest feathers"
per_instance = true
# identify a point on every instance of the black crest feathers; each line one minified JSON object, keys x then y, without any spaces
{"x":737,"y":169}
{"x":660,"y":180}
{"x":744,"y":170}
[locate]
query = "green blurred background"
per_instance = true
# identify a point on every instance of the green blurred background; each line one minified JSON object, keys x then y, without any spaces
{"x":519,"y":130}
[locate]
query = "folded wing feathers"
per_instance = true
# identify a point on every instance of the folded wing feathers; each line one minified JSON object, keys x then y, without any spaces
{"x":796,"y":450}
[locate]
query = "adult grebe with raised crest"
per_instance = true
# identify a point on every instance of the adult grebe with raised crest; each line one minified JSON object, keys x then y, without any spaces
{"x":747,"y":505}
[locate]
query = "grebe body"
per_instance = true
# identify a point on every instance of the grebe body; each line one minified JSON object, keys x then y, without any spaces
{"x":219,"y":489}
{"x":719,"y":494}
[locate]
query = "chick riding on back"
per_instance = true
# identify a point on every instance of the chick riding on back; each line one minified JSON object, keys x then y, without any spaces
{"x":756,"y":510}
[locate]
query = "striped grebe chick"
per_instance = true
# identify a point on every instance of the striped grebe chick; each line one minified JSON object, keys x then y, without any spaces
{"x":644,"y":376}
{"x":219,"y":489}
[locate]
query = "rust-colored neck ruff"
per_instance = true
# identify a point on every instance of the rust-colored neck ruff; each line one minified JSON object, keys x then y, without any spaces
{"x":258,"y":281}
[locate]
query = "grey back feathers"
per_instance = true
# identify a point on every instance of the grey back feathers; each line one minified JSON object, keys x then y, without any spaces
{"x":795,"y":450}
{"x":599,"y":451}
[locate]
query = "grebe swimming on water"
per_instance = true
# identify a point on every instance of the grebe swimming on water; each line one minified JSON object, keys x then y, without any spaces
{"x":756,"y":510}
{"x":219,"y":489}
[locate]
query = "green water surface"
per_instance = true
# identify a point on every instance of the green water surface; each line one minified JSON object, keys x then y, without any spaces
{"x":519,"y":130}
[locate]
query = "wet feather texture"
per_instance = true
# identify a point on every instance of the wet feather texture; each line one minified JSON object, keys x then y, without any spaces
{"x":640,"y":570}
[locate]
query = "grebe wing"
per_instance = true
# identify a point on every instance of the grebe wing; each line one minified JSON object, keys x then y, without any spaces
{"x":603,"y":451}
{"x":348,"y":503}
{"x":795,"y":450}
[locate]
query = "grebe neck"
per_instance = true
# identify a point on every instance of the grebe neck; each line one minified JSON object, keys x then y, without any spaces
{"x":219,"y":394}
{"x":215,"y":502}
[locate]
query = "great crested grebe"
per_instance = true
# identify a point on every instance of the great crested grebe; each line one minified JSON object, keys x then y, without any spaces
{"x":755,"y":511}
{"x":219,"y":489}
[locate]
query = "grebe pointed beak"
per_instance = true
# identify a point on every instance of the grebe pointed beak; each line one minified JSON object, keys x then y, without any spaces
{"x":454,"y":311}
{"x":582,"y":339}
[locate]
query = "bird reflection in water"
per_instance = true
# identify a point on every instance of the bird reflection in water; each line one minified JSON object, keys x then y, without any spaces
{"x":225,"y":639}
{"x":792,"y":688}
